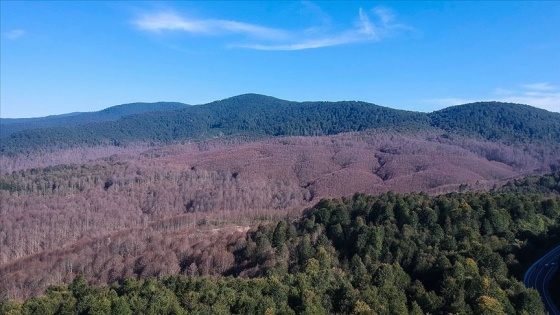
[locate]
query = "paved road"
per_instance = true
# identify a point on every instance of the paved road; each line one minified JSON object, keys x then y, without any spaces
{"x":538,"y":276}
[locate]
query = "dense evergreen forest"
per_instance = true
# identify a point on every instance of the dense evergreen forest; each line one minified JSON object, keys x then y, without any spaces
{"x":549,"y":183}
{"x":387,"y":254}
{"x":262,"y":116}
{"x":10,"y":125}
{"x":245,"y":115}
{"x":499,"y":121}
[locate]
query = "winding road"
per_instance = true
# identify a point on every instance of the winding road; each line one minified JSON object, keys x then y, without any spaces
{"x":538,"y":276}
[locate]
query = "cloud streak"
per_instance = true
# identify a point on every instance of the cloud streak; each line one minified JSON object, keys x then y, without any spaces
{"x":541,"y":86}
{"x":160,"y":22}
{"x":14,"y":34}
{"x":541,"y":94}
{"x":307,"y":44}
{"x":370,"y":26}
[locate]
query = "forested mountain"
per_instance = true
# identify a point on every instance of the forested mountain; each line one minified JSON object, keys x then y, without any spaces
{"x":499,"y":121}
{"x":245,"y":115}
{"x":11,"y":125}
{"x":255,"y":115}
{"x":387,"y":254}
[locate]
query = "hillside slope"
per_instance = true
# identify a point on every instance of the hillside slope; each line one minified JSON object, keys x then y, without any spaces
{"x":9,"y":126}
{"x":239,"y":180}
{"x":258,"y":116}
{"x":499,"y":121}
{"x":245,"y":115}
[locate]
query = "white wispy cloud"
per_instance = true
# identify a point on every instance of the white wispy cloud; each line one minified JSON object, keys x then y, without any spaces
{"x":173,"y":22}
{"x":365,"y":26}
{"x":307,"y":44}
{"x":540,"y":86}
{"x":541,"y":94}
{"x":385,"y":15}
{"x":502,"y":91}
{"x":14,"y":34}
{"x":365,"y":29}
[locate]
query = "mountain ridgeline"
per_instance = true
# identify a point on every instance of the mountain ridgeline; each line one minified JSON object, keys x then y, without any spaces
{"x":9,"y":126}
{"x":499,"y":121}
{"x":259,"y":116}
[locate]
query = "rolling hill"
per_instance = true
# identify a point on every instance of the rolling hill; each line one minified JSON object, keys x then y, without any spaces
{"x":9,"y":126}
{"x":258,"y":116}
{"x":499,"y":121}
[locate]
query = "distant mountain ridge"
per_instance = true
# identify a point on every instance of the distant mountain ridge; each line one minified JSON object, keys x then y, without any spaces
{"x":497,"y":121}
{"x":11,"y":125}
{"x":264,"y":116}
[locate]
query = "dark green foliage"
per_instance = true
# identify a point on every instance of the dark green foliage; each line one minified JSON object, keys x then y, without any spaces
{"x":499,"y":121}
{"x":258,"y":116}
{"x":387,"y":254}
{"x":549,"y":183}
{"x":9,"y":126}
{"x":415,"y":253}
{"x":245,"y":115}
{"x":279,"y":235}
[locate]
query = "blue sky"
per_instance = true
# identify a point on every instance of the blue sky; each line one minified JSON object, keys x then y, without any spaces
{"x":60,"y":57}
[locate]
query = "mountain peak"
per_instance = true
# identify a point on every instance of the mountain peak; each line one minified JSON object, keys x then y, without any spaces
{"x":499,"y":121}
{"x":251,"y":97}
{"x":496,"y":105}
